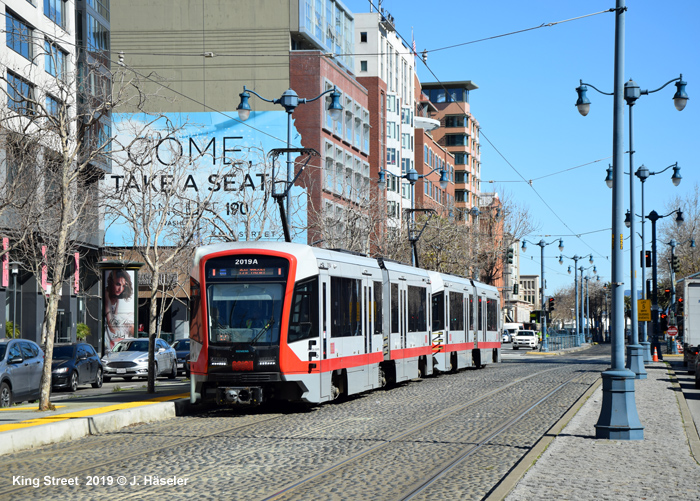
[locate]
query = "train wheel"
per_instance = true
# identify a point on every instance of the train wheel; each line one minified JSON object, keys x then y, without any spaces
{"x":382,"y":378}
{"x":389,"y":371}
{"x":476,"y":357}
{"x":338,"y":386}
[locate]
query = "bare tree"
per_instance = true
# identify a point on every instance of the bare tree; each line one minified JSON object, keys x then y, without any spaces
{"x":162,"y":203}
{"x":57,"y":129}
{"x":690,"y":230}
{"x":354,"y":221}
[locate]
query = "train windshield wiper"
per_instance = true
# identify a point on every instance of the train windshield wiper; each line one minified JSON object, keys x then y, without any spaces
{"x":263,"y":330}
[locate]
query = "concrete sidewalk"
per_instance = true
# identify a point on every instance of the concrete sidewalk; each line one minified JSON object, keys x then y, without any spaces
{"x":24,"y":427}
{"x":578,"y":466}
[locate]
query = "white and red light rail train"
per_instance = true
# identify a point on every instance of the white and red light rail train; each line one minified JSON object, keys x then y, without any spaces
{"x":291,"y":322}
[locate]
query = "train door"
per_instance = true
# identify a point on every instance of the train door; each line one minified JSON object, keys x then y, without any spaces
{"x":471,"y":322}
{"x":324,"y":374}
{"x":482,"y":319}
{"x":371,"y":366}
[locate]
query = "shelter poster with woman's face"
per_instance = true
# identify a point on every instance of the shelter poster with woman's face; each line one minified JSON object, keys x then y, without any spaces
{"x":119,"y":305}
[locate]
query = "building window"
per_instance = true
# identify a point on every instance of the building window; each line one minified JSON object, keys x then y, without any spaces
{"x":391,"y":156}
{"x":363,"y":37}
{"x":456,"y":139}
{"x":363,"y":65}
{"x":461,"y":177}
{"x":101,"y":6}
{"x":55,"y":60}
{"x":19,"y":35}
{"x":56,"y":11}
{"x":53,"y":106}
{"x":457,"y":121}
{"x":20,"y":95}
{"x":97,"y":35}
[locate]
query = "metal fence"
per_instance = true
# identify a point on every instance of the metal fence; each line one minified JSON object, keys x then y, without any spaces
{"x":560,"y":341}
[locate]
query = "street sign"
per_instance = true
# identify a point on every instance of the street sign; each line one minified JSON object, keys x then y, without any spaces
{"x":644,"y":310}
{"x":672,"y":331}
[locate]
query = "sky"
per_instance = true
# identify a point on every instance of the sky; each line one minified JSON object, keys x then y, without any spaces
{"x":530,"y":127}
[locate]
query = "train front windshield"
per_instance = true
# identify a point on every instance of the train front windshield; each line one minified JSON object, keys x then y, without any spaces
{"x":245,"y":313}
{"x":245,"y":295}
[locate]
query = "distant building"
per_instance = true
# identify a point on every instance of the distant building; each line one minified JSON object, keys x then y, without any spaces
{"x":530,"y":290}
{"x":458,"y":134}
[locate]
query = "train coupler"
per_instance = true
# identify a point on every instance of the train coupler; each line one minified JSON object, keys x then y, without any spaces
{"x":234,"y":395}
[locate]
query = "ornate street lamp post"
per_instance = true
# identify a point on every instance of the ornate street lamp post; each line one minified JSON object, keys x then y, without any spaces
{"x":412,"y":177}
{"x":643,"y":174}
{"x":290,"y":100}
{"x":653,"y":217}
{"x":543,"y":244}
{"x":618,"y":417}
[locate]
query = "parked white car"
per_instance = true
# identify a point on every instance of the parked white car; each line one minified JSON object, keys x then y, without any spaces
{"x":525,"y":339}
{"x":129,"y":359}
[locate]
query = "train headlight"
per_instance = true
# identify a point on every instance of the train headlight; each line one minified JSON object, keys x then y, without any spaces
{"x":218,"y":361}
{"x":267,"y":361}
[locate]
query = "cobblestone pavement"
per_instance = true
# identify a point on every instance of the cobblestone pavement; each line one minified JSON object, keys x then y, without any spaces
{"x":348,"y":450}
{"x":576,"y":466}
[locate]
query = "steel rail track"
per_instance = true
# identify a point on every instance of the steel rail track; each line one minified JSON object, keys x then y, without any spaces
{"x":402,"y":435}
{"x":473,"y":449}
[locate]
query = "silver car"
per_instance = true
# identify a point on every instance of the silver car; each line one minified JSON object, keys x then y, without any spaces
{"x":129,"y":359}
{"x":21,"y":364}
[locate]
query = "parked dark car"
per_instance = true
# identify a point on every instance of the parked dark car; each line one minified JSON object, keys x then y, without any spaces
{"x":21,"y":363}
{"x":182,"y":349}
{"x":74,"y":364}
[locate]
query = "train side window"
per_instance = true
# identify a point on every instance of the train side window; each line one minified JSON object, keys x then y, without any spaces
{"x":491,"y":314}
{"x":471,"y":312}
{"x":417,"y":307}
{"x":345,"y":302}
{"x":456,"y":311}
{"x":325,"y":310}
{"x":303,"y":318}
{"x":394,"y":308}
{"x":438,"y":311}
{"x":378,"y":318}
{"x":480,"y":315}
{"x":194,"y":301}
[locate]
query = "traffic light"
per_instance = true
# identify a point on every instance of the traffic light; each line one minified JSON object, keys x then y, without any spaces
{"x":679,"y":307}
{"x":551,"y":303}
{"x":663,"y":323}
{"x":509,"y":256}
{"x":645,"y":259}
{"x":676,"y":264}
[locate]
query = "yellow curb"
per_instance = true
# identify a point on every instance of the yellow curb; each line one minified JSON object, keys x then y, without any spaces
{"x":88,"y":412}
{"x":33,"y":408}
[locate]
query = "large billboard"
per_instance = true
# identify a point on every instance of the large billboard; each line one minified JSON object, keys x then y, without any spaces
{"x":203,"y":158}
{"x":120,"y":298}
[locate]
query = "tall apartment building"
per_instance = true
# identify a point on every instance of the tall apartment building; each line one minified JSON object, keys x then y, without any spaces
{"x":382,"y":55}
{"x":431,"y":160}
{"x":459,"y":134}
{"x":46,"y":42}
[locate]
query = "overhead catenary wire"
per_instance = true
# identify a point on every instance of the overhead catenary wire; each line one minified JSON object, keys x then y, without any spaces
{"x":501,"y":154}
